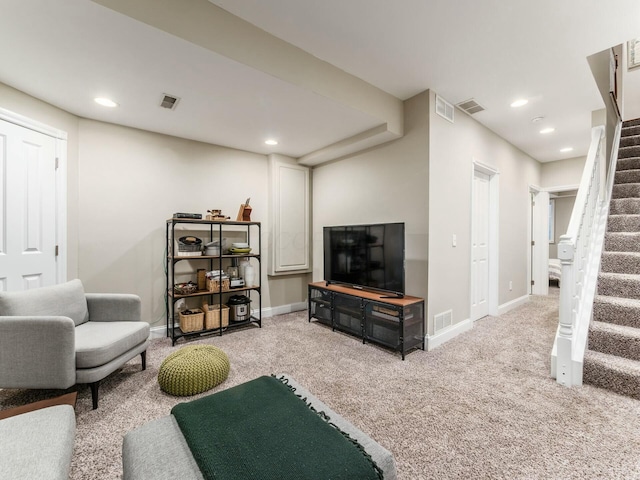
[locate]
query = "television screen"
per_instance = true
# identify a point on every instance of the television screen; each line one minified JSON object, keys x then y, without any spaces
{"x":369,"y":256}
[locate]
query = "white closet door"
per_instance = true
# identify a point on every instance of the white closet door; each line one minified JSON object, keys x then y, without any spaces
{"x":480,"y":247}
{"x":27,"y":208}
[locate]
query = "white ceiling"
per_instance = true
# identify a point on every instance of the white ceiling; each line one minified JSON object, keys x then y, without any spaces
{"x":69,"y":51}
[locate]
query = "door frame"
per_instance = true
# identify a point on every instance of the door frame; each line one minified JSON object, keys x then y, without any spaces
{"x":494,"y":189}
{"x":60,"y":137}
{"x":538,"y":254}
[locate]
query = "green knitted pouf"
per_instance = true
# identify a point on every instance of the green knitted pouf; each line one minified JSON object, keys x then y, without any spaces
{"x":193,"y":369}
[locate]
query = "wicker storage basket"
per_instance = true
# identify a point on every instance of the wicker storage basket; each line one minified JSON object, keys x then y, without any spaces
{"x":212,"y":315}
{"x":192,"y":322}
{"x":213,"y":285}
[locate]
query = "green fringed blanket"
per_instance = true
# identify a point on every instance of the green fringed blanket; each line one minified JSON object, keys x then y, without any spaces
{"x":260,"y":430}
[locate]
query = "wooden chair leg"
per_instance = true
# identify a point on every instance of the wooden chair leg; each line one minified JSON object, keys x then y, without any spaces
{"x":94,"y":393}
{"x":144,"y":360}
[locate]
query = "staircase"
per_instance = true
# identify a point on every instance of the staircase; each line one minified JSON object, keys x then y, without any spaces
{"x":612,"y":360}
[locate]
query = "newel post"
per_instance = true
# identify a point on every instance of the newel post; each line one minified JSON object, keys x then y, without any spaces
{"x":566,"y":252}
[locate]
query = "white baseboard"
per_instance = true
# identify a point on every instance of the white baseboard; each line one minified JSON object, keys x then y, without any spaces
{"x":282,"y":309}
{"x":505,"y":307}
{"x":161,"y":330}
{"x":434,"y":341}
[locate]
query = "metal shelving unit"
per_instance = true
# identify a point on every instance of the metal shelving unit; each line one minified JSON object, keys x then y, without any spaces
{"x":212,"y":230}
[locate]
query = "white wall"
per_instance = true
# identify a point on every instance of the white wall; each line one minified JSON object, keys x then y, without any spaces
{"x":453,"y":148}
{"x":630,"y":88}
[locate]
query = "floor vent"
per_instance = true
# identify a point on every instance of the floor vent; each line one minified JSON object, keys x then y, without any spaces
{"x":444,"y":108}
{"x":169,"y":101}
{"x":443,"y":320}
{"x":470,"y":106}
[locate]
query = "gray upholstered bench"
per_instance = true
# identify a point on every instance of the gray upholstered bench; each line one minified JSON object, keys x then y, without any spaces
{"x":38,"y":444}
{"x":145,"y":450}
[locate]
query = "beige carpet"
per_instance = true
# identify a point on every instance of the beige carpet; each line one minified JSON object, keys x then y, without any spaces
{"x":481,"y":406}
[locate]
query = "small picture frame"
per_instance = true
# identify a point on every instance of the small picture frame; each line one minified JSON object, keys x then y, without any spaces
{"x":633,"y":53}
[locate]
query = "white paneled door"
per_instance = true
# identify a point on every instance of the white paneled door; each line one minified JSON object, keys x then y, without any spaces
{"x":27,"y":208}
{"x":480,"y":246}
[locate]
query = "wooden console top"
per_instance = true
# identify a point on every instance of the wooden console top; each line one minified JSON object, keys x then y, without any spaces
{"x":378,"y":297}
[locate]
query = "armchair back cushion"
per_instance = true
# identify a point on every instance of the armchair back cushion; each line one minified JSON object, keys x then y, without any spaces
{"x":66,"y":300}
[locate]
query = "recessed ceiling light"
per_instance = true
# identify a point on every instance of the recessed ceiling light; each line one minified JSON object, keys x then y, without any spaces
{"x":519,"y":103}
{"x":547,"y":130}
{"x":105,"y":102}
{"x":271,"y":142}
{"x":566,"y":149}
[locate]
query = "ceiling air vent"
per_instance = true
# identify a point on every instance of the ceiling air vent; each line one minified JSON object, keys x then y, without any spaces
{"x":470,"y":106}
{"x":444,"y":108}
{"x":169,"y":101}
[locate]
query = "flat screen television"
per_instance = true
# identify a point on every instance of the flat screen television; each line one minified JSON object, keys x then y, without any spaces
{"x":368,"y":257}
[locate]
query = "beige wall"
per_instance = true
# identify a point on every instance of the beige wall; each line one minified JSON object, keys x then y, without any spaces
{"x":562,"y":173}
{"x":132,"y":181}
{"x":563,"y":210}
{"x":453,"y":148}
{"x":122,"y":185}
{"x":23,"y":104}
{"x":424,"y":180}
{"x":385,"y":184}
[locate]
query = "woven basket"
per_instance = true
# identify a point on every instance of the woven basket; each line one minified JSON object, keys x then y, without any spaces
{"x":213,"y":285}
{"x":192,"y":322}
{"x":212,"y":315}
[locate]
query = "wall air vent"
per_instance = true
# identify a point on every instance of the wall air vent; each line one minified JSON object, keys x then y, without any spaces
{"x":470,"y":106}
{"x":443,"y":320}
{"x":169,"y":101}
{"x":444,"y":108}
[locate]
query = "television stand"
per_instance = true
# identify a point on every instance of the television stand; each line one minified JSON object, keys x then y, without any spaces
{"x":396,"y":323}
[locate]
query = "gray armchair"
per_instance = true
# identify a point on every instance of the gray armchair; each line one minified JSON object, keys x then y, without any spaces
{"x":58,"y":336}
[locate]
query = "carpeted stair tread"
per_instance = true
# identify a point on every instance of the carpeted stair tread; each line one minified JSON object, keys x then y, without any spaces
{"x":631,"y":123}
{"x":623,"y":223}
{"x":626,"y":190}
{"x":617,"y":310}
{"x":627,"y":176}
{"x":622,"y":242}
{"x":631,"y":163}
{"x":614,"y":373}
{"x":619,"y":285}
{"x":620,"y":340}
{"x":629,"y":140}
{"x":630,"y":130}
{"x":624,"y":206}
{"x":620,"y":262}
{"x":626,"y":152}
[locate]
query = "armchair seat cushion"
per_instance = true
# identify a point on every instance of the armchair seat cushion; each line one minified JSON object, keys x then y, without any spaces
{"x":100,"y":342}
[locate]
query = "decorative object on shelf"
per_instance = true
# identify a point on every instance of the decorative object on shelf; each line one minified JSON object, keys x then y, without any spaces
{"x":191,"y":320}
{"x":202,"y":278}
{"x":244,"y":214}
{"x":193,"y":369}
{"x":217,"y":216}
{"x":185,"y":288}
